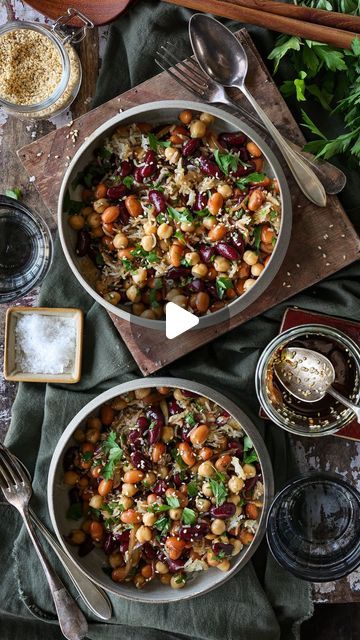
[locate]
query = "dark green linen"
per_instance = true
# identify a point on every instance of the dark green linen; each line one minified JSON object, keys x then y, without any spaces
{"x":262,"y":602}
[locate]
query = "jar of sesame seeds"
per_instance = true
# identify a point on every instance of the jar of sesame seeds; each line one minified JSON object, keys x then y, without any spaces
{"x":40,"y":71}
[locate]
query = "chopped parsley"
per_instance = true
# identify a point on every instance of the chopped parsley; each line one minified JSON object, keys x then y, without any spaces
{"x":180,"y":579}
{"x":173,"y":502}
{"x":160,"y":218}
{"x":250,"y":454}
{"x":190,"y":420}
{"x":158,"y":508}
{"x":222,"y":285}
{"x":154,"y":143}
{"x":128,"y":181}
{"x":178,"y":459}
{"x":252,"y":177}
{"x":114,"y":455}
{"x":75,"y":511}
{"x":188,"y":516}
{"x":251,"y":457}
{"x":127,"y":264}
{"x":180,"y":216}
{"x":153,"y":301}
{"x":226,"y":161}
{"x":257,"y":237}
{"x":192,"y":489}
{"x":150,"y":256}
{"x":179,"y":235}
{"x":86,"y":456}
{"x":163,"y":525}
{"x":203,"y":213}
{"x":15,"y":193}
{"x":218,"y":488}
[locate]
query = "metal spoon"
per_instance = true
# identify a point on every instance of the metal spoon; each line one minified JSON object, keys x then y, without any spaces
{"x":222,"y":57}
{"x":308,"y":376}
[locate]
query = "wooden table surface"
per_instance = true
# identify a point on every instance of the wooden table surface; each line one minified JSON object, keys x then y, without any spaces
{"x":329,"y":453}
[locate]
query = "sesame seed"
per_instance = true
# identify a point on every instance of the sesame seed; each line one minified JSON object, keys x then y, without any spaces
{"x":331,"y":226}
{"x":319,"y":247}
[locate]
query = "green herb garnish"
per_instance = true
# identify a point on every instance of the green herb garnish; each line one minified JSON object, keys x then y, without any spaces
{"x":114,"y":455}
{"x":192,"y":489}
{"x":150,"y":256}
{"x":257,"y":238}
{"x":251,"y":457}
{"x":173,"y":502}
{"x":158,"y":508}
{"x":222,"y":285}
{"x":179,"y":235}
{"x":180,"y":216}
{"x":190,"y":420}
{"x":163,"y":525}
{"x":154,"y":143}
{"x":128,"y":181}
{"x":188,"y":516}
{"x":72,"y":206}
{"x":219,"y":490}
{"x":86,"y":456}
{"x":226,"y":161}
{"x":252,"y":177}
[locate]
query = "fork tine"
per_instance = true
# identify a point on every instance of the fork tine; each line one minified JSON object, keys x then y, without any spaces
{"x":8,"y":469}
{"x":198,"y":94}
{"x":5,"y":473}
{"x":185,"y":63}
{"x":14,"y":463}
{"x":194,"y":87}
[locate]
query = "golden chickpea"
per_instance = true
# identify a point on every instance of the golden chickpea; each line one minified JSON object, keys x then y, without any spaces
{"x":94,"y":220}
{"x":177,"y":581}
{"x":192,"y":258}
{"x":138,"y":308}
{"x":165,"y":231}
{"x":77,"y":536}
{"x":249,"y":470}
{"x":76,"y":222}
{"x":206,"y":470}
{"x":140,"y":275}
{"x":71,"y":478}
{"x":235,"y":499}
{"x":221,"y":264}
{"x":150,"y":478}
{"x":211,"y":559}
{"x":257,"y":269}
{"x":113,"y":297}
{"x":207,"y":118}
{"x":250,"y":257}
{"x":79,"y":435}
{"x":96,"y":501}
{"x":167,"y":434}
{"x":218,"y":527}
{"x":187,"y":227}
{"x":100,"y":205}
{"x":248,"y":284}
{"x":197,"y":129}
{"x":92,"y":435}
{"x":120,"y":241}
{"x":209,"y":222}
{"x":149,"y":519}
{"x":172,"y":155}
{"x":129,"y":490}
{"x":206,"y":489}
{"x":199,"y":270}
{"x":126,"y":502}
{"x":224,"y":565}
{"x":161,"y":567}
{"x":202,"y":504}
{"x":171,"y":295}
{"x":148,"y":242}
{"x":235,"y":484}
{"x":225,"y":190}
{"x":237,"y":547}
{"x":133,"y":294}
{"x":175,"y":514}
{"x":143,"y":534}
{"x":180,"y":300}
{"x":150,"y":227}
{"x":115,"y":560}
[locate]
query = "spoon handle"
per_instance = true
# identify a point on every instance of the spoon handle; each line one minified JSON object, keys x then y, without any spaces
{"x":304,"y":176}
{"x":345,"y":401}
{"x":331,"y":177}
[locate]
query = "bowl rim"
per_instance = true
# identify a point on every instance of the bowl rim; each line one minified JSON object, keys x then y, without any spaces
{"x":215,"y":396}
{"x":240,"y":303}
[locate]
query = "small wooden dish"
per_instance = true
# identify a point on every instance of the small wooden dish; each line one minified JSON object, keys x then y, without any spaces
{"x":12,"y":372}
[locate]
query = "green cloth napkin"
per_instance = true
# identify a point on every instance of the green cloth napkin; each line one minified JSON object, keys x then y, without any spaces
{"x":262,"y":602}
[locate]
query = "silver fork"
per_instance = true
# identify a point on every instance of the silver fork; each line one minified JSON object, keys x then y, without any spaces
{"x":17,"y":490}
{"x":189,"y":75}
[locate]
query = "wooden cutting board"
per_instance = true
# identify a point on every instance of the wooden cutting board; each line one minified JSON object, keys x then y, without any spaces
{"x":323,"y":240}
{"x":98,"y":11}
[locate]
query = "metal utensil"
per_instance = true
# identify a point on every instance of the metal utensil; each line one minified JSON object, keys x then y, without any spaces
{"x":222,"y":57}
{"x":17,"y":490}
{"x":190,"y":76}
{"x":308,"y":375}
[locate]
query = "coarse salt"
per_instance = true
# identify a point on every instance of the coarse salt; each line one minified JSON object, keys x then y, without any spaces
{"x":45,"y":344}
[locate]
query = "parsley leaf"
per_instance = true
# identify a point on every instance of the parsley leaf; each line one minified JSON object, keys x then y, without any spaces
{"x":150,"y":256}
{"x":226,"y":161}
{"x":192,"y":489}
{"x":180,"y":216}
{"x":128,"y":181}
{"x":15,"y":193}
{"x":75,"y":511}
{"x":252,"y":177}
{"x":257,"y":237}
{"x":252,"y":457}
{"x":247,"y":443}
{"x":190,"y":420}
{"x":284,"y":45}
{"x":154,"y":142}
{"x":222,"y":285}
{"x":114,"y":454}
{"x":163,"y":525}
{"x":173,"y":502}
{"x":158,"y":508}
{"x":179,"y":235}
{"x":203,"y":213}
{"x":188,"y":516}
{"x":219,"y":490}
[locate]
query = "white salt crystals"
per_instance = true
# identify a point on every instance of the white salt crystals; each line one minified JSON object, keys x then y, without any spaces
{"x":45,"y":343}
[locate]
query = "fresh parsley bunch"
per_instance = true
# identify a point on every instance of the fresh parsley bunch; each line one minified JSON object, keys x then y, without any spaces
{"x":330,"y":76}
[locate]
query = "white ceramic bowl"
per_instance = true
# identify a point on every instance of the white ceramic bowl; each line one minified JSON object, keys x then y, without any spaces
{"x":91,"y":564}
{"x":162,"y":113}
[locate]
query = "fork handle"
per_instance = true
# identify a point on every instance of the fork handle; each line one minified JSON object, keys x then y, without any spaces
{"x":71,"y":619}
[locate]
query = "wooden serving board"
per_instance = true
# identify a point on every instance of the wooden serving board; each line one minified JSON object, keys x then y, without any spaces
{"x":323,"y":240}
{"x":99,"y":11}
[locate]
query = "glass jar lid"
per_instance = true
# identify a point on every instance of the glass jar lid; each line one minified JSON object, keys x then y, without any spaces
{"x":313,"y":527}
{"x":25,"y":249}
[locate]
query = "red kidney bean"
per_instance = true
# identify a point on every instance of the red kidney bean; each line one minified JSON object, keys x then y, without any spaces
{"x":69,"y":457}
{"x":123,"y":540}
{"x":158,"y":200}
{"x":82,"y":243}
{"x":189,"y":147}
{"x":243,"y":171}
{"x":139,"y":461}
{"x":142,"y":423}
{"x":175,"y":273}
{"x":85,"y":547}
{"x":177,"y":479}
{"x":154,"y":414}
{"x":175,"y":565}
{"x":188,"y":394}
{"x":126,"y":168}
{"x":209,"y":167}
{"x":117,"y":192}
{"x":138,"y":175}
{"x":244,"y":155}
{"x":154,"y":433}
{"x":174,"y":407}
{"x":200,"y":202}
{"x":237,"y":241}
{"x":160,"y":487}
{"x":226,"y":510}
{"x":225,"y":250}
{"x":196,"y":285}
{"x":206,"y":252}
{"x":148,"y":551}
{"x":249,"y":486}
{"x":212,"y":290}
{"x":124,"y":216}
{"x":235,"y":139}
{"x":221,"y":547}
{"x":195,"y":532}
{"x":184,"y":432}
{"x":109,"y":544}
{"x":135,"y":438}
{"x":150,"y":166}
{"x":236,"y":447}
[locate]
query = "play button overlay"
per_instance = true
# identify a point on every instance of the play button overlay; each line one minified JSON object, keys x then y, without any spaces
{"x":178,"y":320}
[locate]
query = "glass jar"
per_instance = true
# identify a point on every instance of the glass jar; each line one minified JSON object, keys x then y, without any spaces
{"x":283,"y":409}
{"x":50,"y":66}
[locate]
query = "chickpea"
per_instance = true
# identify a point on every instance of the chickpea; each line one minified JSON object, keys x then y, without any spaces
{"x":250,"y":257}
{"x":79,"y":435}
{"x":257,"y":269}
{"x":175,"y":514}
{"x":161,"y":567}
{"x":140,"y":275}
{"x":254,"y":150}
{"x":176,"y":254}
{"x":215,"y":203}
{"x":115,"y":560}
{"x":148,"y":242}
{"x":187,"y":227}
{"x":221,"y":264}
{"x":143,"y":534}
{"x":130,"y":516}
{"x":172,"y":155}
{"x":248,"y":284}
{"x":177,"y":581}
{"x":150,"y":227}
{"x":76,"y":222}
{"x":167,"y":434}
{"x":246,"y":536}
{"x":172,"y":294}
{"x":218,"y":527}
{"x":129,"y":490}
{"x":94,"y":220}
{"x":149,"y":519}
{"x":147,"y":571}
{"x":100,"y":205}
{"x":150,"y":478}
{"x":142,"y":393}
{"x":235,"y":484}
{"x":86,"y":211}
{"x":120,"y":241}
{"x":133,"y":294}
{"x":165,"y":231}
{"x":206,"y":489}
{"x":192,"y":258}
{"x":199,"y":270}
{"x":211,"y":559}
{"x":209,"y":222}
{"x":224,"y":565}
{"x":199,"y":434}
{"x":234,"y":499}
{"x":185,"y":116}
{"x":133,"y":206}
{"x":138,"y":308}
{"x":197,"y":129}
{"x":126,"y":502}
{"x":139,"y":581}
{"x":225,"y":190}
{"x":96,"y":501}
{"x":206,"y":470}
{"x":237,"y":547}
{"x":76,"y":536}
{"x":71,"y":478}
{"x":180,"y":300}
{"x":252,"y":511}
{"x":202,"y":504}
{"x":113,"y":297}
{"x":217,"y":233}
{"x":133,"y":476}
{"x":187,"y":453}
{"x":92,"y":435}
{"x":207,"y":118}
{"x":256,"y":199}
{"x":244,"y":270}
{"x":249,"y":470}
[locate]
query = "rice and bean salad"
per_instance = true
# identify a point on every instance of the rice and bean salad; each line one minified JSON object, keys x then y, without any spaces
{"x":176,"y":213}
{"x":166,"y":483}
